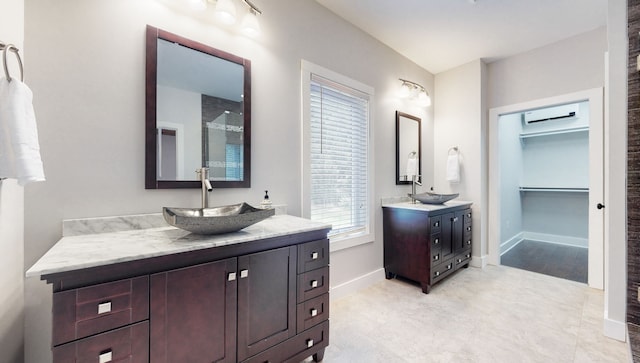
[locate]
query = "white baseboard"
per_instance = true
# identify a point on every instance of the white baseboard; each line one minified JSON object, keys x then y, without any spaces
{"x":511,"y":243}
{"x":480,"y":262}
{"x":615,"y":329}
{"x":557,"y":239}
{"x":356,"y":284}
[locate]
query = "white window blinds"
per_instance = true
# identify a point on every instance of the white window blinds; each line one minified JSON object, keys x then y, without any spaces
{"x":339,"y":117}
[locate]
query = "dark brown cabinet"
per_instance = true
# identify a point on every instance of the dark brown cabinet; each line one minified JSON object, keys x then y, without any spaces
{"x":193,"y":313}
{"x":426,"y":245}
{"x":263,"y":301}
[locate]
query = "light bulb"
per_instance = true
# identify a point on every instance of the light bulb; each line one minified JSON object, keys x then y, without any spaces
{"x":250,"y":25}
{"x":404,"y":90}
{"x":225,"y":12}
{"x":423,"y":99}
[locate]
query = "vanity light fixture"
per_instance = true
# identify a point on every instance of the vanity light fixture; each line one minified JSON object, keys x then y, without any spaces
{"x":250,"y":25}
{"x":225,"y":12}
{"x":413,"y":90}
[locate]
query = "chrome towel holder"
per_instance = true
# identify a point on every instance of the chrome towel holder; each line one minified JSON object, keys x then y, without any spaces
{"x":5,"y":48}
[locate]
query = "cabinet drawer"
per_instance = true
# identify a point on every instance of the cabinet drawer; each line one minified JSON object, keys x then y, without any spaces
{"x":130,"y":344}
{"x":312,"y":312}
{"x":95,"y":309}
{"x":436,"y":223}
{"x":442,"y":270}
{"x":467,"y":217}
{"x":313,"y":255}
{"x":463,"y":258}
{"x":313,"y":284}
{"x":296,"y":349}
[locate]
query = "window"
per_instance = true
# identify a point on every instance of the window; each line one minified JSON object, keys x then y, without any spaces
{"x":337,"y":154}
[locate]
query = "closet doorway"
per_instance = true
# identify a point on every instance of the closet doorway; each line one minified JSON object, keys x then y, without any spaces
{"x":546,"y":186}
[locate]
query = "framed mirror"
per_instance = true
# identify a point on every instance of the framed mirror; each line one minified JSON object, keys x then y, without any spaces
{"x":408,"y":148}
{"x":198,"y":114}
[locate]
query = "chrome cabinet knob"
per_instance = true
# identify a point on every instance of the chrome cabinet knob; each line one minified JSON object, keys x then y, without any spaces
{"x":309,"y":343}
{"x":105,"y":357}
{"x":104,"y":307}
{"x":244,"y":273}
{"x":314,"y":283}
{"x":231,"y":276}
{"x":313,"y":312}
{"x":314,"y":256}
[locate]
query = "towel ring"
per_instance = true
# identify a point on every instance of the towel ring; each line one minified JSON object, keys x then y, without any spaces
{"x":15,"y":50}
{"x":412,"y":155}
{"x":454,"y":148}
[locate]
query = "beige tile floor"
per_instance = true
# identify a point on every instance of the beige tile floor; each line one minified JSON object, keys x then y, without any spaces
{"x":496,"y":314}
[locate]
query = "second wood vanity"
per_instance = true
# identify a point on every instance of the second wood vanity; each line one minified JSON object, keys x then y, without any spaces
{"x":426,"y":243}
{"x":259,"y":295}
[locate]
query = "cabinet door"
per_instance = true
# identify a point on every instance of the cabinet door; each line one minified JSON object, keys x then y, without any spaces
{"x":458,"y":231}
{"x":446,"y":234}
{"x":266,"y":300}
{"x":193,"y":313}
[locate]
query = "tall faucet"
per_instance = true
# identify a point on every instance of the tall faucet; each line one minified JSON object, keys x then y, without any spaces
{"x":414,"y":182}
{"x":203,"y":174}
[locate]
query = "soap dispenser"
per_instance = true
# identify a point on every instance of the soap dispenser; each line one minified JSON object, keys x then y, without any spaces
{"x":266,"y":203}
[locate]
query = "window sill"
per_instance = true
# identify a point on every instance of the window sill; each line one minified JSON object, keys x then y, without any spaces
{"x":349,"y":242}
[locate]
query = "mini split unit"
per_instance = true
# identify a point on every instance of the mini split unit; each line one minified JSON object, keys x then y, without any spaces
{"x":551,"y":113}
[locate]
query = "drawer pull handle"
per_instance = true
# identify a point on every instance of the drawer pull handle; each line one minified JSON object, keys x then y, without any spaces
{"x":436,"y":257}
{"x":454,"y":219}
{"x":437,"y":273}
{"x":449,"y":267}
{"x":468,"y":215}
{"x":244,"y":273}
{"x":314,"y":283}
{"x":436,"y":241}
{"x":104,"y":307}
{"x":468,"y":255}
{"x":314,"y":312}
{"x":314,"y":256}
{"x":309,"y":343}
{"x":469,"y":242}
{"x":468,"y":228}
{"x":232,"y":276}
{"x":459,"y":260}
{"x":437,"y":224}
{"x":105,"y":357}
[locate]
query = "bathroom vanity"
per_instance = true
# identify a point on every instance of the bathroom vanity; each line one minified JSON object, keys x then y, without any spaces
{"x":426,"y":242}
{"x":165,"y":295}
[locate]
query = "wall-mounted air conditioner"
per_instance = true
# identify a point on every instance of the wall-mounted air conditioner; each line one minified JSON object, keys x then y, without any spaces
{"x":551,"y":113}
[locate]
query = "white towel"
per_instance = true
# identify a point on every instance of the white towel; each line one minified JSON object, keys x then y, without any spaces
{"x":453,"y":168}
{"x":19,"y":148}
{"x":412,"y":168}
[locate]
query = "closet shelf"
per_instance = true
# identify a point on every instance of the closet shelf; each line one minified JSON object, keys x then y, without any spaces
{"x":554,"y":189}
{"x":526,"y":135}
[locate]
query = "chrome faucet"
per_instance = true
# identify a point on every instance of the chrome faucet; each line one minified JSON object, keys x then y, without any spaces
{"x":414,"y":182}
{"x":203,"y":174}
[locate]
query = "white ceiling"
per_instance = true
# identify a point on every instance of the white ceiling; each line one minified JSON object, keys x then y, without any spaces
{"x":442,"y":34}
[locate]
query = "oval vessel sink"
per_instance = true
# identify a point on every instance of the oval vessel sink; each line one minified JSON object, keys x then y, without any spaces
{"x":216,"y":220}
{"x":433,"y":198}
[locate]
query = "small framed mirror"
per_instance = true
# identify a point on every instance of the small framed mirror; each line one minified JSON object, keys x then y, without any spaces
{"x":408,"y":148}
{"x":198,"y":114}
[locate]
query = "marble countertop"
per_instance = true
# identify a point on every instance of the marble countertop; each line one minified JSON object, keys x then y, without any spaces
{"x":407,"y":204}
{"x":80,"y":251}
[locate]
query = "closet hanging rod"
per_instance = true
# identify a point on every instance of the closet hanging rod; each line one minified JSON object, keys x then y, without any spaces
{"x":4,"y":47}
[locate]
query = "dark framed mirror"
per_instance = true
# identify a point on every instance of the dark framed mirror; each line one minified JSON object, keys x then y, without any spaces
{"x":198,"y":114}
{"x":408,"y":148}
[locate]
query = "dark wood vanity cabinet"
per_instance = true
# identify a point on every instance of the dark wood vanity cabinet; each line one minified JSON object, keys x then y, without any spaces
{"x":426,"y":245}
{"x":270,"y":305}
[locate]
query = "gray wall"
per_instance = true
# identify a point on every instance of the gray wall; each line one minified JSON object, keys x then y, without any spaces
{"x":12,"y":214}
{"x":86,"y":68}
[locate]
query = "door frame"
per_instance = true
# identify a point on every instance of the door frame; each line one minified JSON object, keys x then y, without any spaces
{"x":596,"y":176}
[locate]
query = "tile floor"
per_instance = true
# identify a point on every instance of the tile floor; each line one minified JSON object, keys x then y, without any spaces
{"x":497,"y":314}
